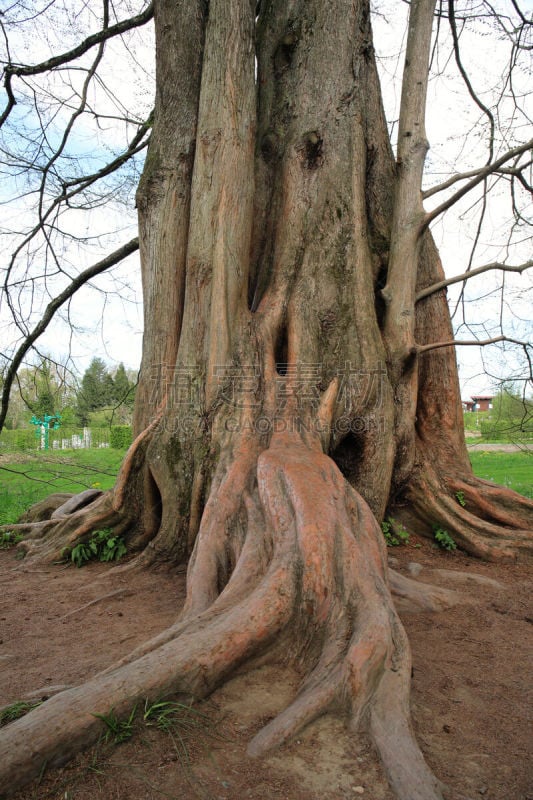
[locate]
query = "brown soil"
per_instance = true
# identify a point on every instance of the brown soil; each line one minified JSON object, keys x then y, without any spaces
{"x":501,"y":447}
{"x":469,"y":700}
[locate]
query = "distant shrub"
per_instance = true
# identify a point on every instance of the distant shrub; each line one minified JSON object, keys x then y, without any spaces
{"x":506,"y":430}
{"x":23,"y":439}
{"x":120,"y":437}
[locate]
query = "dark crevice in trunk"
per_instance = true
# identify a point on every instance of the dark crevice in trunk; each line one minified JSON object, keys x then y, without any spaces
{"x":311,"y":150}
{"x":281,"y":351}
{"x":379,"y":303}
{"x":153,"y":506}
{"x":348,"y":457}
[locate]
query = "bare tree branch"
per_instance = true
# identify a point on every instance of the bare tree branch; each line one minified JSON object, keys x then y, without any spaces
{"x":136,"y":145}
{"x":435,"y":287}
{"x":106,"y":33}
{"x":424,"y":348}
{"x":109,"y":261}
{"x":461,"y":176}
{"x":482,"y":173}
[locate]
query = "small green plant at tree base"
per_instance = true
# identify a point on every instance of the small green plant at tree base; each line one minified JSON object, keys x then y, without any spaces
{"x":159,"y":714}
{"x":108,"y":546}
{"x":102,"y":546}
{"x":17,"y":710}
{"x":460,"y":497}
{"x":117,"y":730}
{"x":394,"y":532}
{"x":9,"y":539}
{"x":443,"y":539}
{"x":79,"y":554}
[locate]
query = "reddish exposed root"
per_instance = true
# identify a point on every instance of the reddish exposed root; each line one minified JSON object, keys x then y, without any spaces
{"x":485,"y":520}
{"x":317,"y":594}
{"x":494,"y":503}
{"x":47,"y":539}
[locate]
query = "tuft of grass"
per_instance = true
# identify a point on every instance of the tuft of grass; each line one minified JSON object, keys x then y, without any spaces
{"x":168,"y":715}
{"x":182,"y":723}
{"x":117,"y":730}
{"x":177,"y":720}
{"x":17,"y":710}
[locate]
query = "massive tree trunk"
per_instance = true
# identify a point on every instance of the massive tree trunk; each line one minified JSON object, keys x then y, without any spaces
{"x":286,"y":398}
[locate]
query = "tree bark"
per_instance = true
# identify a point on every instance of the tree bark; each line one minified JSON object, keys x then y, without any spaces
{"x":283,"y":409}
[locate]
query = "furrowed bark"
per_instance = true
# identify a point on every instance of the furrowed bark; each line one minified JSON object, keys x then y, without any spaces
{"x":163,"y":197}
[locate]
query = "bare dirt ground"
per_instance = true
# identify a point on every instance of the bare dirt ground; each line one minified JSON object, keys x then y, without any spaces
{"x":471,"y":677}
{"x":500,"y":447}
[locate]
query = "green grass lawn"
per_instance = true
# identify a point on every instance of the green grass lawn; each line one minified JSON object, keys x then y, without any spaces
{"x":29,"y":478}
{"x":514,"y":470}
{"x":26,"y":479}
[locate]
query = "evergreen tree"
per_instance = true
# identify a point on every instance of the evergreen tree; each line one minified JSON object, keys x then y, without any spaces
{"x":95,"y":391}
{"x":45,"y":397}
{"x":122,"y":385}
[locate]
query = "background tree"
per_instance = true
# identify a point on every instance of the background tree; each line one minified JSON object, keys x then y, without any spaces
{"x":99,"y":390}
{"x":510,"y":404}
{"x":96,"y":390}
{"x":511,"y":416}
{"x":123,"y":389}
{"x":44,"y":388}
{"x":298,"y":375}
{"x":45,"y":402}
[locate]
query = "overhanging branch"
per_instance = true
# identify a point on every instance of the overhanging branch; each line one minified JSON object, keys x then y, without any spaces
{"x":80,"y":280}
{"x":462,"y":176}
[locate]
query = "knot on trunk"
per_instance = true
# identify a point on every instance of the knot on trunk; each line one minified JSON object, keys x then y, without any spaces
{"x":284,"y":52}
{"x":311,"y":150}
